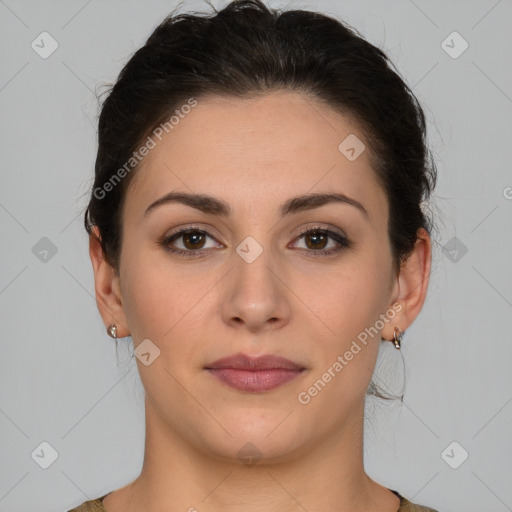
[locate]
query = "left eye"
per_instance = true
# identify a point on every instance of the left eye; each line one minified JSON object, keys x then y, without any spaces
{"x":317,"y":239}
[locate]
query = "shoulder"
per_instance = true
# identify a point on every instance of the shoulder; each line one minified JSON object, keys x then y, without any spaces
{"x":95,"y":505}
{"x":407,"y":506}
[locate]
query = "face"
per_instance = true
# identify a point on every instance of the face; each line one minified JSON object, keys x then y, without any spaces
{"x":249,"y":281}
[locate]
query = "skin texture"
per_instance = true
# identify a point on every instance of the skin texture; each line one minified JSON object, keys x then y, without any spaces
{"x":255,"y":154}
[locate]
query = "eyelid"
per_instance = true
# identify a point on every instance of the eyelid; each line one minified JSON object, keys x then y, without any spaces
{"x":193,"y":227}
{"x":319,"y":227}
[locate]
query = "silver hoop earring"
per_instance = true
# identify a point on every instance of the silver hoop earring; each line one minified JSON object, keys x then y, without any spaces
{"x":397,"y":338}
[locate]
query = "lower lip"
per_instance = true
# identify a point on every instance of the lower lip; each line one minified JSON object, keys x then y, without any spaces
{"x":254,"y":381}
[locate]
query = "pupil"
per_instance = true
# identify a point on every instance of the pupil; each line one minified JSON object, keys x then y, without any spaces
{"x":196,"y":239}
{"x":317,"y":236}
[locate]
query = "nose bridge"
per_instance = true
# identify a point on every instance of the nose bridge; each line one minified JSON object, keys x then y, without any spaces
{"x":254,"y":270}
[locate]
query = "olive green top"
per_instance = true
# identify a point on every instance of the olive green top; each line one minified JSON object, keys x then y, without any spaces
{"x":405,"y":505}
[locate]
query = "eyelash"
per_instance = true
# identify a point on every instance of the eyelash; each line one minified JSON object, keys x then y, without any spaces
{"x":343,"y":242}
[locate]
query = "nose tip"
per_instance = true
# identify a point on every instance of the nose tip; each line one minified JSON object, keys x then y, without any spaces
{"x":255,"y":297}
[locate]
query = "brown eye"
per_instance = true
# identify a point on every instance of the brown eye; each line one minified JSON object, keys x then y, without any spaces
{"x":316,"y":239}
{"x":188,"y":242}
{"x":193,"y":239}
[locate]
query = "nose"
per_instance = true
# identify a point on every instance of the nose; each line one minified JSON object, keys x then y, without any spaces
{"x":256,"y":297}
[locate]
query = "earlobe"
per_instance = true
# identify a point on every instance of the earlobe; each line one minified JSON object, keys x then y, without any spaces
{"x":106,"y":282}
{"x":412,"y":283}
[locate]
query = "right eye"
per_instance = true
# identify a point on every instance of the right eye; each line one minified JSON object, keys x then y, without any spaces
{"x":193,"y":240}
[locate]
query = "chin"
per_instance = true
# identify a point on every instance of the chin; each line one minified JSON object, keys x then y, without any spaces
{"x":258,"y":437}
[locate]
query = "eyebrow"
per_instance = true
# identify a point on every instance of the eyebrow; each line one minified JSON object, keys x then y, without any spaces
{"x":211,"y":205}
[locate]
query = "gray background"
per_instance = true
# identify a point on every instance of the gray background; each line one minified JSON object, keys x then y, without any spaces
{"x":61,"y":379}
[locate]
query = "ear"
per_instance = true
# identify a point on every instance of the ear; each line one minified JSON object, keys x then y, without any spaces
{"x":106,"y":281}
{"x":411,"y":285}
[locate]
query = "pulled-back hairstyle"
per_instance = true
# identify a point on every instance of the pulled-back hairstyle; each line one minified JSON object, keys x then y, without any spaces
{"x":247,"y":49}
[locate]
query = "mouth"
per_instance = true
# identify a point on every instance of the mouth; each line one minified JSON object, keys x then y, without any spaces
{"x":254,"y":375}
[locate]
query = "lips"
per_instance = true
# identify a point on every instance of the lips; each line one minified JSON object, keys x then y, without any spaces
{"x":254,"y":374}
{"x":244,"y":362}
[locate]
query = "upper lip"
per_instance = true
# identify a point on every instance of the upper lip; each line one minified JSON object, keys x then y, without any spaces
{"x":245,"y":362}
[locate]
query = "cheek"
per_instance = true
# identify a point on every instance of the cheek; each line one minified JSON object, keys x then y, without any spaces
{"x":159,"y":306}
{"x":348,"y":298}
{"x":151,"y":294}
{"x":163,"y":302}
{"x":347,"y":347}
{"x":347,"y":303}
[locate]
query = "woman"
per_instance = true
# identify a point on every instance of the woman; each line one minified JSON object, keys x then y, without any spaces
{"x":256,"y":227}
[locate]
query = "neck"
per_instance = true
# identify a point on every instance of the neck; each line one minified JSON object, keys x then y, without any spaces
{"x":327,"y":476}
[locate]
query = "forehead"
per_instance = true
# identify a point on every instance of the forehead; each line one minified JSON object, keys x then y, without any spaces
{"x":271,"y":146}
